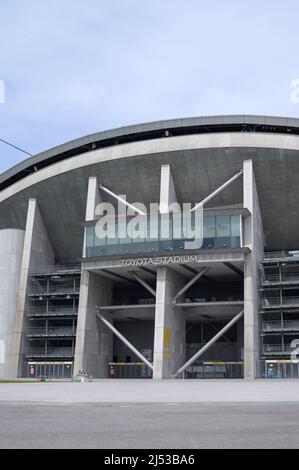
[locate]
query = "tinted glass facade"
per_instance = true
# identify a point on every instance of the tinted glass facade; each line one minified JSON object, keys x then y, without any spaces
{"x":161,"y":234}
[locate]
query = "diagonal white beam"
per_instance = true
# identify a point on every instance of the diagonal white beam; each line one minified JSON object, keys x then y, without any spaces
{"x":144,"y":284}
{"x":209,"y":344}
{"x":123,"y":201}
{"x":125,"y":341}
{"x":191,"y":282}
{"x":217,"y":191}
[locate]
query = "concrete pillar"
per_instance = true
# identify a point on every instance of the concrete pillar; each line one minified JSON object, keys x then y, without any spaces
{"x":37,"y":252}
{"x":240,"y":339}
{"x":93,"y":199}
{"x":94,"y":341}
{"x":254,"y":240}
{"x":167,"y":189}
{"x":170,"y":324}
{"x":11,"y":250}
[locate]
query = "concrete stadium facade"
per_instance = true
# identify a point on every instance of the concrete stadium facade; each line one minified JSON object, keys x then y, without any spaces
{"x":70,"y":301}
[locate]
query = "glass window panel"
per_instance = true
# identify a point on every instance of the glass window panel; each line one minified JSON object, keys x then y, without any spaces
{"x":140,"y":230}
{"x":188,"y":225}
{"x":177,"y":229}
{"x":111,"y":240}
{"x":219,"y":231}
{"x":111,"y":230}
{"x":124,"y":243}
{"x":223,"y":225}
{"x":165,"y":227}
{"x":153,"y":227}
{"x":235,"y":225}
{"x":99,"y":241}
{"x":121,"y":230}
{"x":209,"y":229}
{"x":89,"y":236}
{"x":130,"y":230}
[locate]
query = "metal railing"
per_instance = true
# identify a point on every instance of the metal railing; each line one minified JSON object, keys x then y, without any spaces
{"x":56,"y":269}
{"x":277,"y":301}
{"x":278,"y":369}
{"x":145,"y":301}
{"x":50,"y":352}
{"x":271,"y":278}
{"x":281,"y":254}
{"x":39,"y":290}
{"x":215,"y":369}
{"x":57,"y":310}
{"x":129,"y":370}
{"x":277,"y":325}
{"x":290,"y":325}
{"x":51,"y":331}
{"x":277,"y":349}
{"x":285,"y":277}
{"x":272,"y":325}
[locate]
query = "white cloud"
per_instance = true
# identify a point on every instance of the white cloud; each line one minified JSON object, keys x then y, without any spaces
{"x":74,"y":67}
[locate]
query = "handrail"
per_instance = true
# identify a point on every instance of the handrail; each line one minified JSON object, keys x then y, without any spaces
{"x":280,"y":325}
{"x":285,"y":277}
{"x":56,"y":269}
{"x":278,"y":348}
{"x":51,"y":352}
{"x":51,"y":331}
{"x":40,"y":290}
{"x":280,"y":254}
{"x":277,"y":301}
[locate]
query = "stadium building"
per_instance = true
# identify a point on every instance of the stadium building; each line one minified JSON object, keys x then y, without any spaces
{"x":154,"y":307}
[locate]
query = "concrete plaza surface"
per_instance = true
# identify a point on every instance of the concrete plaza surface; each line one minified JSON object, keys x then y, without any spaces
{"x":150,"y":391}
{"x":149,"y":426}
{"x":128,"y":414}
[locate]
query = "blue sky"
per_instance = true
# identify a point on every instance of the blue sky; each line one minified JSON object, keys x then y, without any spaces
{"x":75,"y":67}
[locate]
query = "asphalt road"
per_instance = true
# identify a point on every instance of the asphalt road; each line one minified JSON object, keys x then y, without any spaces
{"x":149,"y":425}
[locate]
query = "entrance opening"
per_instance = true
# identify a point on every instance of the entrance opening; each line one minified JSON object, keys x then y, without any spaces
{"x":224,"y":359}
{"x":204,"y":305}
{"x":127,"y":365}
{"x":50,"y":370}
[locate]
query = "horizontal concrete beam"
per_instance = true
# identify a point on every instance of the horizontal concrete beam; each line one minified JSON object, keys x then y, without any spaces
{"x":209,"y":304}
{"x":112,"y":308}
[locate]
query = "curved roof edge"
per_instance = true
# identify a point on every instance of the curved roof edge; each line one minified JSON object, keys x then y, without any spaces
{"x":147,"y":131}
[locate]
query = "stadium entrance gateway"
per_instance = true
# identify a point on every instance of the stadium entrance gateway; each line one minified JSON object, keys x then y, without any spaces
{"x":172,"y":312}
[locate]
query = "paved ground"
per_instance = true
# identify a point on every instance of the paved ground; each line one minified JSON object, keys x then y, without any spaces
{"x":149,"y":391}
{"x":158,"y":426}
{"x":147,"y":414}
